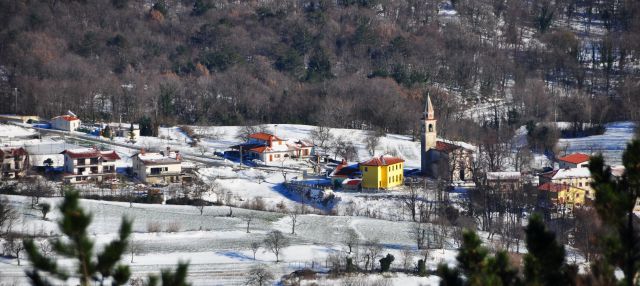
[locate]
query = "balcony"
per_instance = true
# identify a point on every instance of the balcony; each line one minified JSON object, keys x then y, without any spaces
{"x":164,"y":174}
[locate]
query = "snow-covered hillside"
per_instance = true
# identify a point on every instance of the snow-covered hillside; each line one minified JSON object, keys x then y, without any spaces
{"x":221,"y":137}
{"x":217,"y":246}
{"x":611,"y":144}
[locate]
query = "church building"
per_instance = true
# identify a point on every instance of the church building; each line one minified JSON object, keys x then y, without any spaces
{"x":442,"y":159}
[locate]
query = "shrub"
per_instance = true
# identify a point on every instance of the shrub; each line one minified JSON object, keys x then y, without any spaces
{"x":153,"y":226}
{"x":422,"y":268}
{"x":385,"y":263}
{"x":173,"y":227}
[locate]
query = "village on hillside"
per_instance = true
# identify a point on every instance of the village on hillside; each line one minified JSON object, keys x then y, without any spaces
{"x":66,"y":152}
{"x":292,"y":171}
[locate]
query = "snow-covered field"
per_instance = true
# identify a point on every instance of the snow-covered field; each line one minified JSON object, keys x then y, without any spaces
{"x":9,"y":131}
{"x":217,"y":246}
{"x":221,"y":137}
{"x":611,"y":144}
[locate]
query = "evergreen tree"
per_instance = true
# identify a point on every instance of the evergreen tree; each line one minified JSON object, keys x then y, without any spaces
{"x":161,"y":7}
{"x":422,"y":268}
{"x":146,"y":126}
{"x":319,"y":66}
{"x":472,"y":255}
{"x":170,"y":278}
{"x":477,"y":266}
{"x":76,"y":244}
{"x":615,"y":200}
{"x":119,"y":4}
{"x":106,"y":132}
{"x":79,"y":246}
{"x":449,"y":276}
{"x":200,"y":7}
{"x":544,"y":264}
{"x":385,"y":262}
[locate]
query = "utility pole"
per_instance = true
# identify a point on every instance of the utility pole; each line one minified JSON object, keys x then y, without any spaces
{"x":15,"y":95}
{"x":240,"y":156}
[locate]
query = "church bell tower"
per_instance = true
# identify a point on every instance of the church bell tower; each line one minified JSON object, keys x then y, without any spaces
{"x":429,"y":126}
{"x":428,"y":138}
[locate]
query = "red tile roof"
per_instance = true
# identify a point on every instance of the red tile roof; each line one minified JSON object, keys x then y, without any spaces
{"x":67,"y":117}
{"x":353,"y":182}
{"x":445,"y":147}
{"x":259,"y":149}
{"x":551,"y":187}
{"x":264,"y":137}
{"x":110,"y":155}
{"x":92,"y":153}
{"x":382,"y":161}
{"x":575,"y":158}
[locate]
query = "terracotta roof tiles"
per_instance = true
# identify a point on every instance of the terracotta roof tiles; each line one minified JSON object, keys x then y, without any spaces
{"x":382,"y":161}
{"x":575,"y":158}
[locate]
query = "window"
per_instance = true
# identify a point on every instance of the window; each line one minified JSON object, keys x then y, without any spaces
{"x":430,"y":127}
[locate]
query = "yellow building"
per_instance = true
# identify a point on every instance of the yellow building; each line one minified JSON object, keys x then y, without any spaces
{"x":382,"y":173}
{"x":565,"y":194}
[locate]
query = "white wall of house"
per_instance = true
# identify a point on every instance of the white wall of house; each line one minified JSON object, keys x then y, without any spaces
{"x":85,"y":168}
{"x":567,"y":165}
{"x":273,"y":158}
{"x":62,"y":124}
{"x":145,"y":172}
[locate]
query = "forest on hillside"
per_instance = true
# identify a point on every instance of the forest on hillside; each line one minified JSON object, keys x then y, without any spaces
{"x":344,"y":63}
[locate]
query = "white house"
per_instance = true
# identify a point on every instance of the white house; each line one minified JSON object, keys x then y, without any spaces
{"x":267,"y":148}
{"x":89,"y":164}
{"x":273,"y":150}
{"x":156,"y":168}
{"x":65,"y":122}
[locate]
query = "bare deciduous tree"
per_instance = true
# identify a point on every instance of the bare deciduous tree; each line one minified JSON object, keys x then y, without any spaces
{"x":294,"y":215}
{"x":351,"y":239}
{"x":259,"y":275}
{"x":419,"y":232}
{"x":373,"y":249}
{"x":407,"y":258}
{"x":275,"y":242}
{"x":248,"y":220}
{"x":372,"y":141}
{"x":13,"y":244}
{"x":245,"y":131}
{"x":38,"y":188}
{"x":321,"y":136}
{"x":197,"y":195}
{"x":410,"y":201}
{"x":255,"y":246}
{"x":8,"y":217}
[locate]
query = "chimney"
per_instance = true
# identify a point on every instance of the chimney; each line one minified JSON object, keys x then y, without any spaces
{"x":142,"y":151}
